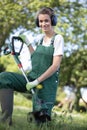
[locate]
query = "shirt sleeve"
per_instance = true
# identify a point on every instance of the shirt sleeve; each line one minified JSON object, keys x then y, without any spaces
{"x":58,"y":45}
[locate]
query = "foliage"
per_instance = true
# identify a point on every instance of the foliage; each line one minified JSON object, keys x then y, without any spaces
{"x":19,"y":15}
{"x":13,"y":14}
{"x":9,"y":63}
{"x":74,"y":69}
{"x":23,"y":12}
{"x":2,"y":68}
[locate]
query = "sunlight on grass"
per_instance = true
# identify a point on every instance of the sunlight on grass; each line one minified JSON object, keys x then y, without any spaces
{"x":21,"y":100}
{"x":60,"y":120}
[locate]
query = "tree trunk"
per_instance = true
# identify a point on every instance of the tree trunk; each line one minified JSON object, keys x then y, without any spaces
{"x":78,"y":96}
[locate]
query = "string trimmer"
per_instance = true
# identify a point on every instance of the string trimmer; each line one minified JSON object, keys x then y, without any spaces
{"x":39,"y":107}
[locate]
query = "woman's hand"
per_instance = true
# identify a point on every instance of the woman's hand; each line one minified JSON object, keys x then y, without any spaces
{"x":32,"y":84}
{"x":25,"y":39}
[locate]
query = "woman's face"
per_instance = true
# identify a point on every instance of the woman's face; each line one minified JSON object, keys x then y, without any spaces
{"x":45,"y":22}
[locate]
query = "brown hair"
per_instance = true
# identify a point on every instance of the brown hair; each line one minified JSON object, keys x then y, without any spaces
{"x":50,"y":12}
{"x":46,"y":10}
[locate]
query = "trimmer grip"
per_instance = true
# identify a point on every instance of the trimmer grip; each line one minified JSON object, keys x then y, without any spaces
{"x":17,"y":38}
{"x":13,"y":44}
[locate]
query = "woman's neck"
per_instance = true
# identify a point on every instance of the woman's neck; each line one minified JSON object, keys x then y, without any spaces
{"x":49,"y":34}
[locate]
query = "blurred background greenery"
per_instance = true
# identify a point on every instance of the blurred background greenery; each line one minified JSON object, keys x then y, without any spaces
{"x":18,"y":16}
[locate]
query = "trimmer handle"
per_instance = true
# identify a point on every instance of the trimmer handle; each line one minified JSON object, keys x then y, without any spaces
{"x":17,"y":38}
{"x":13,"y":47}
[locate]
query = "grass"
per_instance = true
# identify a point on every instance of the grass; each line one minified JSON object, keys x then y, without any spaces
{"x":60,"y":120}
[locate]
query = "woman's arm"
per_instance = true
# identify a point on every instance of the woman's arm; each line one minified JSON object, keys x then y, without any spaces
{"x":27,"y":42}
{"x":31,"y":49}
{"x":52,"y":69}
{"x":57,"y":57}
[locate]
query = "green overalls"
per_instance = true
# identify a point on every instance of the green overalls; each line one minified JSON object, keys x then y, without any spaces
{"x":41,"y":59}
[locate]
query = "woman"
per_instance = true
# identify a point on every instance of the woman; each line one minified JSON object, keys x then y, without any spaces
{"x":46,"y":61}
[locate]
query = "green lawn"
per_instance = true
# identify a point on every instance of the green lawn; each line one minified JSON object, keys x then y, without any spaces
{"x":60,"y":121}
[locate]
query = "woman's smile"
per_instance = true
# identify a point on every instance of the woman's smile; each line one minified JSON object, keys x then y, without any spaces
{"x":45,"y":22}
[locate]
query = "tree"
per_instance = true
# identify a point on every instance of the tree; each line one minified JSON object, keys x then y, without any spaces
{"x":74,"y":71}
{"x":7,"y":63}
{"x":72,"y":24}
{"x":21,"y":14}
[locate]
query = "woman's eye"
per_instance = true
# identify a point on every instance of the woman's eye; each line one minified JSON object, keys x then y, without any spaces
{"x":46,"y":20}
{"x":41,"y":21}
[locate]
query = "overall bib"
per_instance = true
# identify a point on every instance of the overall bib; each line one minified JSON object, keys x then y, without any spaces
{"x":42,"y":59}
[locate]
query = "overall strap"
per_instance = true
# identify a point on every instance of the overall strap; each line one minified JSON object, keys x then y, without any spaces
{"x":41,"y":41}
{"x":52,"y":40}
